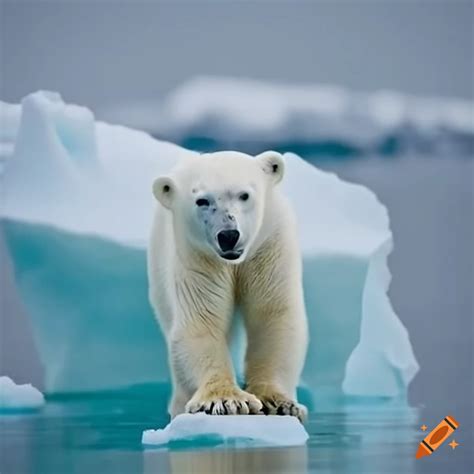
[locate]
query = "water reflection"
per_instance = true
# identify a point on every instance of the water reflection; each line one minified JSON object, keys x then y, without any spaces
{"x":227,"y":461}
{"x":362,"y":440}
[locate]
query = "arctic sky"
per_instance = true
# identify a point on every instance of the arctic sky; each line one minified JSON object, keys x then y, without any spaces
{"x":98,"y":53}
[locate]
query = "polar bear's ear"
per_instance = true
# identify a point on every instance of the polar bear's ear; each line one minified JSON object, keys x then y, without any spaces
{"x":272,"y":164}
{"x":164,"y":190}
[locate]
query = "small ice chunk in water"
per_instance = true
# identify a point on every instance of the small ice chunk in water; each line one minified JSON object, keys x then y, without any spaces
{"x":265,"y":430}
{"x":15,"y":397}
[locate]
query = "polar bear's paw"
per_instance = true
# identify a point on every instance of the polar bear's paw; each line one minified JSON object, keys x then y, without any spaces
{"x":275,"y":403}
{"x":224,"y":401}
{"x":284,"y":406}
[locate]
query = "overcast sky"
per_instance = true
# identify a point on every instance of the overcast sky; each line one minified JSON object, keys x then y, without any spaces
{"x":98,"y":53}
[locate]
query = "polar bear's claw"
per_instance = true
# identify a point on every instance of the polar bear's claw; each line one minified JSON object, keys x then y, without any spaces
{"x":280,"y":405}
{"x":238,"y":402}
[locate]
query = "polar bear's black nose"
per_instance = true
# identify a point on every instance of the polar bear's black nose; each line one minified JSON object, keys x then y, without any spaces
{"x":227,"y":239}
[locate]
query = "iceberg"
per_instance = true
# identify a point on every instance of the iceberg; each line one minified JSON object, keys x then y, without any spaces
{"x":237,"y":429}
{"x":220,"y":112}
{"x":19,"y":398}
{"x":76,"y":215}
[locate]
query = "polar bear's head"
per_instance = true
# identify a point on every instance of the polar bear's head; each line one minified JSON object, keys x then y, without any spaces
{"x":218,"y":200}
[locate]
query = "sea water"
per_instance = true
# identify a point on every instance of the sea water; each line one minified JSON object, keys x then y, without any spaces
{"x":102,"y":433}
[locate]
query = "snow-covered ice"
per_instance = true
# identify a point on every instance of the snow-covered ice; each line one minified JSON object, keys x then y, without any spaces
{"x":19,"y":398}
{"x":68,"y":163}
{"x":264,"y":430}
{"x":76,"y":217}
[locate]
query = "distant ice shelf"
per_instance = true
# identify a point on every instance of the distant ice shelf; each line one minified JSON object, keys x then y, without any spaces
{"x":219,"y":111}
{"x":18,"y":398}
{"x":243,"y":430}
{"x":76,"y":215}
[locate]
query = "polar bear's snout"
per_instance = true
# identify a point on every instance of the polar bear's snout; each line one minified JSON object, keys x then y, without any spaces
{"x":229,"y":243}
{"x":227,"y":239}
{"x":228,"y":219}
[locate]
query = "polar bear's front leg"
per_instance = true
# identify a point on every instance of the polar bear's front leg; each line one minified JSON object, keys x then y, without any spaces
{"x":277,"y":334}
{"x":274,"y":361}
{"x":200,"y":359}
{"x":198,"y":346}
{"x":273,"y":366}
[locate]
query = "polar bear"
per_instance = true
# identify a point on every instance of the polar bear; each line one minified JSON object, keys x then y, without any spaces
{"x":224,"y":238}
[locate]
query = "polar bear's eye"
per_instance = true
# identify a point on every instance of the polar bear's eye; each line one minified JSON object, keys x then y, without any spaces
{"x":202,"y":202}
{"x":244,"y":197}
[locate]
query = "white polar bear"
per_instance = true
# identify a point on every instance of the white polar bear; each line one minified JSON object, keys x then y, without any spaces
{"x":224,"y":237}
